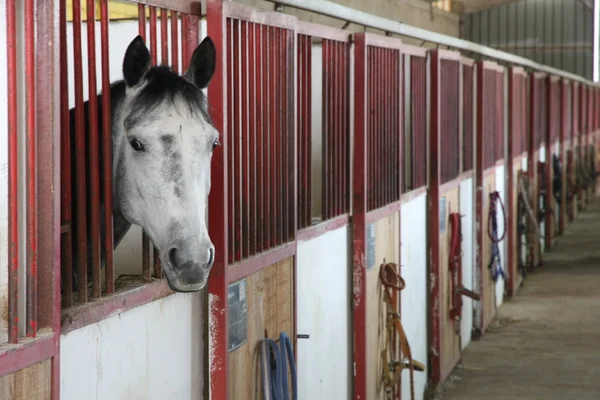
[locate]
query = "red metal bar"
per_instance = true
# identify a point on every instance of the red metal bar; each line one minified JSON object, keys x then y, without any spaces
{"x":13,"y":207}
{"x":93,"y":144}
{"x":164,"y":36}
{"x":261,"y":138}
{"x":326,"y":130}
{"x":217,"y":203}
{"x":175,"y":41}
{"x":65,"y":211}
{"x":245,"y":146}
{"x":266,"y":134}
{"x":142,"y":20}
{"x":156,"y":263}
{"x":230,"y":149}
{"x":359,"y":205}
{"x":281,"y":137}
{"x":346,"y":128}
{"x":237,"y":141}
{"x":16,"y":358}
{"x":434,"y":213}
{"x":80,"y":160}
{"x":153,"y":44}
{"x":253,"y":98}
{"x":291,"y":153}
{"x":249,"y":266}
{"x":106,"y":152}
{"x":338,"y":128}
{"x":187,"y":47}
{"x":147,"y":273}
{"x":273,"y":133}
{"x":31,"y":172}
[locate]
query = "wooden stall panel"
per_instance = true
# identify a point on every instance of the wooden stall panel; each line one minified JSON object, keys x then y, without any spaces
{"x":31,"y":383}
{"x":450,"y":329}
{"x":387,"y":249}
{"x":270,"y":306}
{"x":488,"y":285}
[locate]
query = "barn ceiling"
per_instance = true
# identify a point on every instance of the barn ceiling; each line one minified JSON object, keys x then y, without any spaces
{"x":468,"y":6}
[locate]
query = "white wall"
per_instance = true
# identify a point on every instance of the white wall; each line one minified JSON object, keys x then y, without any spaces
{"x":323,"y":312}
{"x":542,"y":158}
{"x":413,"y":231}
{"x":467,"y":210}
{"x":150,"y":352}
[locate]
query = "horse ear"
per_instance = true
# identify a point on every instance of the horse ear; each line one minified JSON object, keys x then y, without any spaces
{"x":136,"y":61}
{"x":202,"y":65}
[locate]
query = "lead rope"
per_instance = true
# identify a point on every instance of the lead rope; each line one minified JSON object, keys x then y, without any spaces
{"x":273,"y":363}
{"x":392,"y":284}
{"x":495,"y":265}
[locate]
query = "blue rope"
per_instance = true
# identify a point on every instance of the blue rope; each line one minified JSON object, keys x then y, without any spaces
{"x":495,"y":260}
{"x":273,"y":361}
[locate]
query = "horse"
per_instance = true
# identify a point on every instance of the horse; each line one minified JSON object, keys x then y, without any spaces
{"x":162,"y":145}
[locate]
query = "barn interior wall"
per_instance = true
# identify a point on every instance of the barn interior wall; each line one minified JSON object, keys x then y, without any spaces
{"x":413,"y":12}
{"x":150,"y":352}
{"x":557,"y":33}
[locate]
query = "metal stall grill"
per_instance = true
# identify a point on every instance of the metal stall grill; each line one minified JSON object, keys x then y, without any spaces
{"x":33,"y":289}
{"x":517,"y":112}
{"x":384,"y":125}
{"x":468,"y":114}
{"x":415,"y":123}
{"x":565,"y":146}
{"x":334,"y":131}
{"x":253,"y":202}
{"x":553,"y":120}
{"x":488,"y":97}
{"x":86,"y":156}
{"x":376,"y":162}
{"x":449,"y":114}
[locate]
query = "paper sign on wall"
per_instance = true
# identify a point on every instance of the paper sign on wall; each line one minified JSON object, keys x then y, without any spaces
{"x":370,"y":246}
{"x":442,"y":215}
{"x":238,"y":314}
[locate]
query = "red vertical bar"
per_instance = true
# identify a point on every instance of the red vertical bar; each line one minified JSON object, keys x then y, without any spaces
{"x":245,"y":148}
{"x":142,"y":20}
{"x":370,"y":168}
{"x":346,"y":128}
{"x":260,"y":134}
{"x":266,"y":134}
{"x":231,"y":124}
{"x":153,"y":44}
{"x":31,"y":172}
{"x":13,"y":207}
{"x":300,"y":115}
{"x":379,"y":130}
{"x":273,"y":133}
{"x":164,"y":36}
{"x":175,"y":42}
{"x":326,"y":130}
{"x":308,"y":127}
{"x":106,"y":151}
{"x":253,"y":94}
{"x":292,"y":144}
{"x":337,"y":112}
{"x":236,"y":143}
{"x":147,"y":274}
{"x":93,"y":143}
{"x":434,"y":212}
{"x":80,"y":157}
{"x":65,"y":169}
{"x":359,"y":206}
{"x":187,"y":45}
{"x":287,"y":65}
{"x":217,"y":204}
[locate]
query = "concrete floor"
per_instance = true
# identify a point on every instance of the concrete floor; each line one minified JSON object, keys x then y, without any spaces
{"x":545,"y":343}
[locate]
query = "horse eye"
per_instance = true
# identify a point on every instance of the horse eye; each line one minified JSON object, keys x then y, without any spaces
{"x":136,"y":145}
{"x":216,"y":143}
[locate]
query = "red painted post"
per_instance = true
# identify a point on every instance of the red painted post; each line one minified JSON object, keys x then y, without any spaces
{"x":359,"y":217}
{"x":217,"y":203}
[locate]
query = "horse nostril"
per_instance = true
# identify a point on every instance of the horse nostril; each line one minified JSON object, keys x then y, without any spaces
{"x":211,"y":256}
{"x":173,"y":257}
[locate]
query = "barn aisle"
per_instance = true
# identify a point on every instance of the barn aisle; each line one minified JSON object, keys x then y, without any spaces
{"x":545,"y":342}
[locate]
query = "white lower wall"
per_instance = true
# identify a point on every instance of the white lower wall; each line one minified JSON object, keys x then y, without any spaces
{"x":467,"y":210}
{"x":500,"y":185}
{"x":323,"y":311}
{"x":152,"y":352}
{"x":413,"y":232}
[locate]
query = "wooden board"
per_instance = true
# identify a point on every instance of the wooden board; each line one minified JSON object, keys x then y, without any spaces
{"x":31,"y":383}
{"x":270,"y":303}
{"x":488,"y":286}
{"x":513,"y":252}
{"x":449,"y":339}
{"x":387,"y":247}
